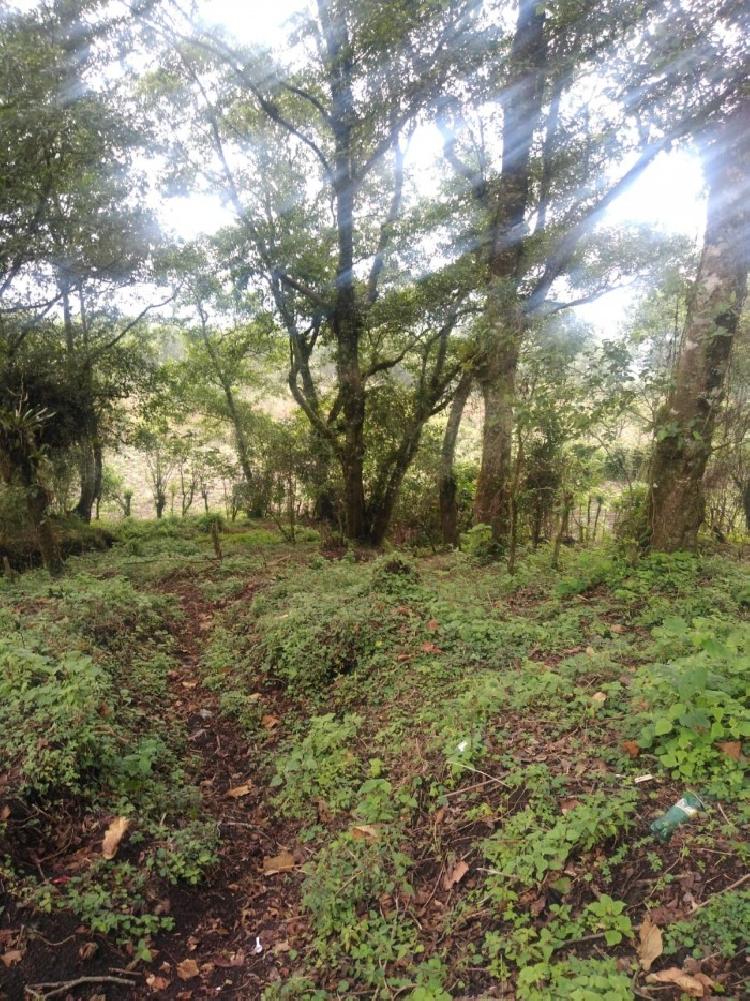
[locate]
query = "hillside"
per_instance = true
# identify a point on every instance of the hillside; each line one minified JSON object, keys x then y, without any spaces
{"x":299,"y":773}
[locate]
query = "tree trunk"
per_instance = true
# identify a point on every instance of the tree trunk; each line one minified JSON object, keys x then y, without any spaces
{"x":37,"y":503}
{"x":567,"y":506}
{"x":446,"y":478}
{"x":90,"y":468}
{"x":522,"y":104}
{"x":685,"y":426}
{"x":498,"y":383}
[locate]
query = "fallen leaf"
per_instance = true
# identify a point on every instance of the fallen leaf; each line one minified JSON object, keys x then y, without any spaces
{"x":590,"y":651}
{"x":732,"y":749}
{"x":365,"y":832}
{"x":433,"y":625}
{"x":236,"y":792}
{"x":158,"y":983}
{"x":88,"y":950}
{"x":692,"y":986}
{"x":189,"y":684}
{"x":631,"y":748}
{"x":455,"y":875}
{"x":11,"y":957}
{"x":648,"y":777}
{"x":537,"y":906}
{"x":650,"y":943}
{"x":187,"y":969}
{"x":566,"y":805}
{"x":599,"y":698}
{"x":403,"y":656}
{"x":617,"y":628}
{"x":283,"y":862}
{"x":430,"y":648}
{"x":269,"y":721}
{"x":114,"y":835}
{"x":4,"y":813}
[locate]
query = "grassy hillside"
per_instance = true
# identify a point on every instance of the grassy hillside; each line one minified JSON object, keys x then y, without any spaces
{"x":293,"y":774}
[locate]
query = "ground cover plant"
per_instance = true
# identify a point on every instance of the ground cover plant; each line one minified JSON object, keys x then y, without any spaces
{"x":372,"y":777}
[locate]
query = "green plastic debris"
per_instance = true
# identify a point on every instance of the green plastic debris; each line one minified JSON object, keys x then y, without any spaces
{"x":682,"y":811}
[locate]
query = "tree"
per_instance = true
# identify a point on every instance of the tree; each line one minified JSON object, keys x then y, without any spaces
{"x":307,"y":157}
{"x":70,"y":233}
{"x":684,"y":433}
{"x":564,"y":159}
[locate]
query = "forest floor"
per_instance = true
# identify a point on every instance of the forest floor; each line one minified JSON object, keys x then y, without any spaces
{"x":302,"y":775}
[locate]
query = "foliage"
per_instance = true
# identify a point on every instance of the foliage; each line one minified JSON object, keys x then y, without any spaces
{"x":321,"y":766}
{"x":699,"y":700}
{"x":719,"y":926}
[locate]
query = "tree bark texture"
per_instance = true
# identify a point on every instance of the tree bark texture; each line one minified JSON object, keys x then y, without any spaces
{"x":447,"y":487}
{"x":685,"y":427}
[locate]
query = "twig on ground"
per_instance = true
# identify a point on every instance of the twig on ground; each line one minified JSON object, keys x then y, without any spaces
{"x":41,"y":991}
{"x":732,"y":886}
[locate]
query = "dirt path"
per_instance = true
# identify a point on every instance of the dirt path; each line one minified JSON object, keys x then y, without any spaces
{"x":232,"y":931}
{"x":234,"y":928}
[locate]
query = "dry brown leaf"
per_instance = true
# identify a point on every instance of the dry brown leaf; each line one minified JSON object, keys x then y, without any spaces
{"x":403,"y":656}
{"x":269,"y":721}
{"x":236,"y":792}
{"x":430,"y":648}
{"x":650,"y":944}
{"x":566,"y":805}
{"x":365,"y":832}
{"x":617,"y":629}
{"x":187,"y":969}
{"x":455,"y":875}
{"x":692,"y":986}
{"x":433,"y":625}
{"x":631,"y":747}
{"x":88,"y":950}
{"x":4,"y":813}
{"x":599,"y":698}
{"x":158,"y":983}
{"x":283,"y":862}
{"x":114,"y":835}
{"x":732,"y":749}
{"x":11,"y":957}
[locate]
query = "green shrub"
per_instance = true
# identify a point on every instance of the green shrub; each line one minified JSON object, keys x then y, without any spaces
{"x":321,"y":766}
{"x":720,"y":926}
{"x":631,"y":513}
{"x":699,"y":699}
{"x":115,"y":616}
{"x":577,"y":979}
{"x":343,"y":894}
{"x":477,"y":542}
{"x":53,"y":728}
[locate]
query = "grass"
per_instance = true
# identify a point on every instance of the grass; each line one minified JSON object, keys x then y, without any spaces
{"x":458,"y":755}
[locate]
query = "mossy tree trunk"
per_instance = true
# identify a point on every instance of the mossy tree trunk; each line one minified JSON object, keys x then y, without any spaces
{"x":686,"y":423}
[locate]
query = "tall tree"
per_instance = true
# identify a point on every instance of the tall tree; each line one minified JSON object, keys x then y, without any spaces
{"x":686,"y":425}
{"x":73,"y":230}
{"x":314,"y":162}
{"x":565,"y":158}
